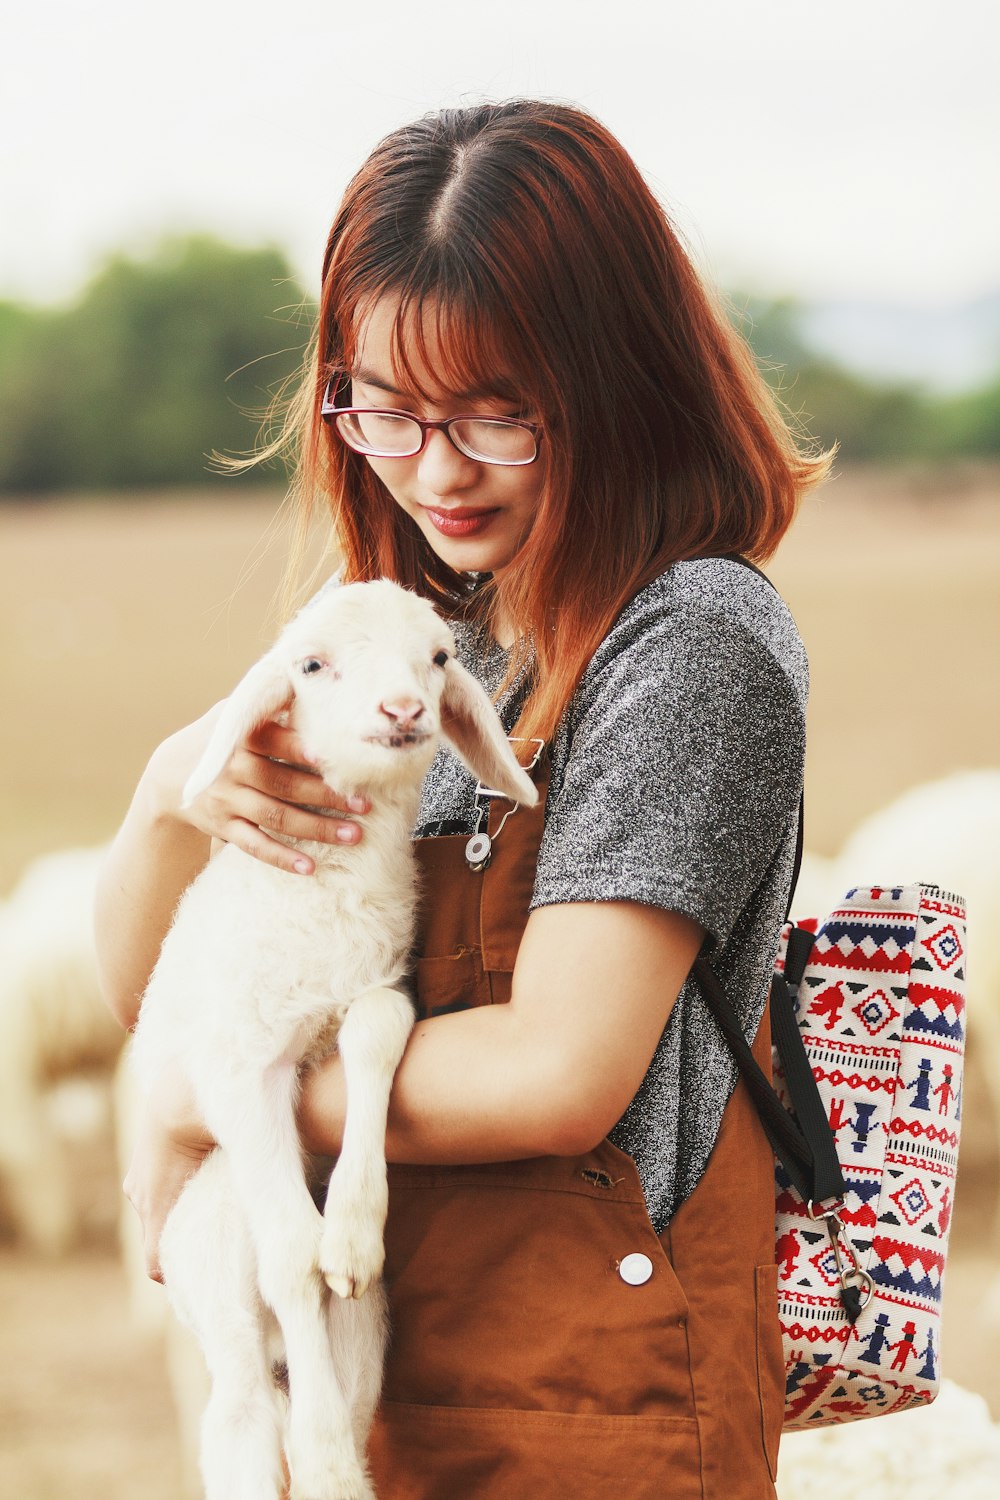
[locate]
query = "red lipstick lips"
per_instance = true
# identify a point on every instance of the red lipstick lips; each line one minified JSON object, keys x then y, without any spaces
{"x":460,"y":522}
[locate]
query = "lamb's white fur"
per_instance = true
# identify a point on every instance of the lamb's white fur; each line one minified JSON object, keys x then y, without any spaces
{"x":264,"y":972}
{"x":53,"y":1026}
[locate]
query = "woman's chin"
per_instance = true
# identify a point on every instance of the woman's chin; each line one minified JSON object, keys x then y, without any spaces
{"x":469,"y":556}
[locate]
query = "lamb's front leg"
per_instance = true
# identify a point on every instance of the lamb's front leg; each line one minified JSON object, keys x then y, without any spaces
{"x":257,"y":1129}
{"x":371,"y":1041}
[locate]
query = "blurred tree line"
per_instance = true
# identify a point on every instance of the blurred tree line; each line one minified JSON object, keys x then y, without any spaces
{"x":164,"y":360}
{"x":871,"y":420}
{"x":159,"y":363}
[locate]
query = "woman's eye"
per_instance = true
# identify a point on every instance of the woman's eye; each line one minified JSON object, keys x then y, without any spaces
{"x":441,"y":660}
{"x":312,"y":664}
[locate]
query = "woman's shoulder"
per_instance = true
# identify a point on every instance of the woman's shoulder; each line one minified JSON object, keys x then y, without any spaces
{"x":698,"y":610}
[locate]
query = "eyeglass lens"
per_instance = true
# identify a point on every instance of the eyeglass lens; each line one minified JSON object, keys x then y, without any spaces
{"x":389,"y":435}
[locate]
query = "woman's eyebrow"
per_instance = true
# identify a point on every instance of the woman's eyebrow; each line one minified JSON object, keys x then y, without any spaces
{"x":369,"y":377}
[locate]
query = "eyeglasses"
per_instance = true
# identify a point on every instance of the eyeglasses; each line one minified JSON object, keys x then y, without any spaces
{"x":382,"y":433}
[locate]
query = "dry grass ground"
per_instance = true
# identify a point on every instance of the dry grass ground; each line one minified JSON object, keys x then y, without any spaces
{"x":120,"y":621}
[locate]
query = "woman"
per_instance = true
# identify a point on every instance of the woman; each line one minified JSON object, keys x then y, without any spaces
{"x":524,"y":405}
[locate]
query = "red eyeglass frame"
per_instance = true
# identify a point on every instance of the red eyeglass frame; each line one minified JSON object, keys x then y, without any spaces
{"x":329,"y":413}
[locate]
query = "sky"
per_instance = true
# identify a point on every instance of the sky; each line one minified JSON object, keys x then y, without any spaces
{"x":818,"y":148}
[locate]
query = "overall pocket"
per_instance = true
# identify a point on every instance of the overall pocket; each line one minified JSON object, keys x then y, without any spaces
{"x":457,"y":1453}
{"x":506,"y":1291}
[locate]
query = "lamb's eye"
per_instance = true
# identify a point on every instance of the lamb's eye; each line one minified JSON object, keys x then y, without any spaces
{"x":312,"y":664}
{"x":441,"y":660}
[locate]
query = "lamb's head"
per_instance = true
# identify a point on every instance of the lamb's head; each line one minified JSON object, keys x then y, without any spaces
{"x":369,"y":675}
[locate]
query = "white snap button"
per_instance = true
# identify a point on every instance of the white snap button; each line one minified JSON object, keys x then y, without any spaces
{"x":635,"y":1269}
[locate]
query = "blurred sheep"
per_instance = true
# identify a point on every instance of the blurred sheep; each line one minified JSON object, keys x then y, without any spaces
{"x":949,"y":1450}
{"x":945,"y":832}
{"x":54,"y":1026}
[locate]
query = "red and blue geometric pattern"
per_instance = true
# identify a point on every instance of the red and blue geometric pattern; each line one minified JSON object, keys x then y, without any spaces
{"x":881,"y":1010}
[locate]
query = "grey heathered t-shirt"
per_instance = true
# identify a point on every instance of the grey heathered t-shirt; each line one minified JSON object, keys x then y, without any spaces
{"x":676,"y":774}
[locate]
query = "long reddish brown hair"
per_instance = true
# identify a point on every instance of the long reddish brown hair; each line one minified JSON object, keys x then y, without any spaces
{"x":552,"y":276}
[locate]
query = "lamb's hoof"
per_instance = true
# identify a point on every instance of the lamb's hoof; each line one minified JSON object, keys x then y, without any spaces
{"x":339,"y":1478}
{"x":350,"y":1263}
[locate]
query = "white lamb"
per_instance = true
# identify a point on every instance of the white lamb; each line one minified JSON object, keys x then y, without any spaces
{"x":265,"y":972}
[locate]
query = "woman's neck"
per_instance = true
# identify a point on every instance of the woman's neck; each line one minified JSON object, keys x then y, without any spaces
{"x":504,"y":632}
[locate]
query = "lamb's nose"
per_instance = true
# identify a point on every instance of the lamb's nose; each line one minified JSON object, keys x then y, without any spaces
{"x":405,"y":711}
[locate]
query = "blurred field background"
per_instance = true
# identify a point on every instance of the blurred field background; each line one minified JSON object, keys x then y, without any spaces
{"x":178,"y":178}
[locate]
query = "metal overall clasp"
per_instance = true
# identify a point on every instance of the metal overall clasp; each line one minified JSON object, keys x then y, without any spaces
{"x":479,"y":849}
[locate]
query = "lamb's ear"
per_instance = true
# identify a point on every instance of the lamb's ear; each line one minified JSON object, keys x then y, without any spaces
{"x":263,"y":692}
{"x":470,"y":723}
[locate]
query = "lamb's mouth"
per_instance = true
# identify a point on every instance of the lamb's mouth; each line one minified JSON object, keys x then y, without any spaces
{"x":397,"y":741}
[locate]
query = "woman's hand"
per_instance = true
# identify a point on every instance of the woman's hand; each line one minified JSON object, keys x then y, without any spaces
{"x":267,"y":787}
{"x":171,"y":1144}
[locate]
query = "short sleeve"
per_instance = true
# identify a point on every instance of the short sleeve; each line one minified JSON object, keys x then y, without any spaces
{"x":683,"y":770}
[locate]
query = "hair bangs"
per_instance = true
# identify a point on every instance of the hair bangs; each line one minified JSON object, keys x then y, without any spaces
{"x":460,"y":339}
{"x":444,"y":345}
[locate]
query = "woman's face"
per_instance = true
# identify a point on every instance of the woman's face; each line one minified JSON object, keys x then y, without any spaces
{"x":475,"y":516}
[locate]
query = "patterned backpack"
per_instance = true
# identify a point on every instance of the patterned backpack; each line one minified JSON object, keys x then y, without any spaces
{"x":868,"y":1024}
{"x":868,"y":1021}
{"x":879,"y":1004}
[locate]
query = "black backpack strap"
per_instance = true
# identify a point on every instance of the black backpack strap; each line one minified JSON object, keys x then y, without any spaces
{"x":803,"y":1141}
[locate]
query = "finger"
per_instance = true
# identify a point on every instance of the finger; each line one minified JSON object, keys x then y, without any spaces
{"x":274,"y":816}
{"x":279,"y":742}
{"x":253,"y":840}
{"x":153,"y":1268}
{"x":288,"y":783}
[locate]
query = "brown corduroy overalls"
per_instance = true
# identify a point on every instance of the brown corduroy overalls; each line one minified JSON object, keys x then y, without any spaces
{"x":522,"y":1365}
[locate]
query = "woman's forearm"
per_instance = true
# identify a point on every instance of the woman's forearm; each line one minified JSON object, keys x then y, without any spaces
{"x":548,"y":1074}
{"x":470,"y":1088}
{"x":151,"y":862}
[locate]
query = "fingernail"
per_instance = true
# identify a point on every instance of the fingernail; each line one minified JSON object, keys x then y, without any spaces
{"x":358,"y":804}
{"x":346,"y":833}
{"x":303,"y":866}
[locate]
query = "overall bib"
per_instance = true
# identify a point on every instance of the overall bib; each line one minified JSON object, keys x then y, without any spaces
{"x":522,"y":1364}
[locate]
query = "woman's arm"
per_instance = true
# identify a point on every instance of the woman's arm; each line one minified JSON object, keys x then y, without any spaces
{"x":551,"y":1072}
{"x":153,"y":858}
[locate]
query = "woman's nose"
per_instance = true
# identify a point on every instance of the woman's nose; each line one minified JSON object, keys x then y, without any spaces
{"x":441,"y":468}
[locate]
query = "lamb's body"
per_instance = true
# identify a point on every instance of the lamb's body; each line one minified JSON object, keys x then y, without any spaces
{"x":264,"y":972}
{"x":259,"y":960}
